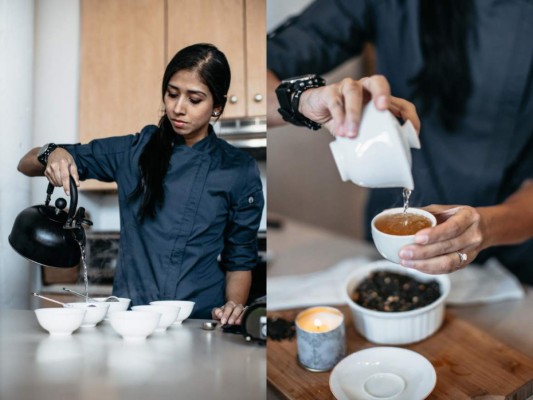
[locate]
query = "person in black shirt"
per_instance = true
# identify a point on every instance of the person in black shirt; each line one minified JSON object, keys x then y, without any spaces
{"x":464,"y":69}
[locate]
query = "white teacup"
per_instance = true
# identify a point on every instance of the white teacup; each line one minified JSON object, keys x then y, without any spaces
{"x":380,"y":155}
{"x":94,"y":312}
{"x":168,"y":313}
{"x":185,"y":308}
{"x":390,"y":245}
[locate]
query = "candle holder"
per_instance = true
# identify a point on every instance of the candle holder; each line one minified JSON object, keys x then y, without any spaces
{"x":320,"y":337}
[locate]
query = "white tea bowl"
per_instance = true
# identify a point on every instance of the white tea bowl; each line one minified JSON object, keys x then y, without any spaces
{"x":186,"y":308}
{"x":134,"y":325}
{"x":94,"y":312}
{"x":380,"y":155}
{"x":168,"y":314}
{"x":388,"y":245}
{"x":396,"y":327}
{"x":60,"y":321}
{"x":121,"y":305}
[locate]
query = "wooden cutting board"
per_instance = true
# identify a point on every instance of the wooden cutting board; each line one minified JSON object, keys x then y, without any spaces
{"x":469,"y":363}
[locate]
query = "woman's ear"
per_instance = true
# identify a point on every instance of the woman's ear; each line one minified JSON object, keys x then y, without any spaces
{"x":216,"y":112}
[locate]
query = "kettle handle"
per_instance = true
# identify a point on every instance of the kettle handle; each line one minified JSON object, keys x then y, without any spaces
{"x":73,"y":198}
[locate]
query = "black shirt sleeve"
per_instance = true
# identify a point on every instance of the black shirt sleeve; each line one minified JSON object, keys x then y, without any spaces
{"x":323,"y":36}
{"x":240,"y":236}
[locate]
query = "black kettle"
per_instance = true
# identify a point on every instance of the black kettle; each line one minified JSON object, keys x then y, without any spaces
{"x":48,"y":235}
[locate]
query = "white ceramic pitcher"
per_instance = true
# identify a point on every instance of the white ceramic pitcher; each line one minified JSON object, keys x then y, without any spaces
{"x":380,"y":155}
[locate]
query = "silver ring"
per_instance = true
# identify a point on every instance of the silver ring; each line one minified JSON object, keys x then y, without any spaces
{"x":462,"y":257}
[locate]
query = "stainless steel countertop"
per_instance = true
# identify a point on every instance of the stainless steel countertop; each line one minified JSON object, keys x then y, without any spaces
{"x":299,"y":248}
{"x":186,"y":362}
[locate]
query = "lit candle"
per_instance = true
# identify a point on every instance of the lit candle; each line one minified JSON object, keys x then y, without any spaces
{"x":320,"y":337}
{"x":319,"y":319}
{"x":319,"y":327}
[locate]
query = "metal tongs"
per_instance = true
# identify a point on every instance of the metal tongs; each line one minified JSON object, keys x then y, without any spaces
{"x":110,"y":299}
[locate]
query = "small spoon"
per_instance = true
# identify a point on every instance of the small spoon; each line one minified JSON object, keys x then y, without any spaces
{"x":209,"y":325}
{"x":49,"y":299}
{"x":110,"y":299}
{"x":55,"y":301}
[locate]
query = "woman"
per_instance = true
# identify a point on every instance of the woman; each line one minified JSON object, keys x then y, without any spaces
{"x":466,"y":65}
{"x":185,"y":196}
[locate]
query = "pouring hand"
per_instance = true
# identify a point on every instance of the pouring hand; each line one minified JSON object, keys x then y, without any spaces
{"x":230,"y":313}
{"x":442,"y":249}
{"x":59,"y":168}
{"x":339,"y":106}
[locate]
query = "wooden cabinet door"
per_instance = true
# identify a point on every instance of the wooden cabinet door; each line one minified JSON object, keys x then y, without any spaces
{"x":220,"y":23}
{"x":122,"y":65}
{"x":256,"y":57}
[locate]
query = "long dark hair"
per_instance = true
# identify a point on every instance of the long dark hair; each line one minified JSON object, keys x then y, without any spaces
{"x":444,"y":81}
{"x":213,"y":68}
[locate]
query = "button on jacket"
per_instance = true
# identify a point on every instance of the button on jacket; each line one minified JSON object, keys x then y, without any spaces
{"x":491,"y":153}
{"x":213,"y":205}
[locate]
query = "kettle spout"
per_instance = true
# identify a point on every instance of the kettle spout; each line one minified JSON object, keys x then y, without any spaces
{"x":79,"y":235}
{"x":77,"y":228}
{"x":80,"y":218}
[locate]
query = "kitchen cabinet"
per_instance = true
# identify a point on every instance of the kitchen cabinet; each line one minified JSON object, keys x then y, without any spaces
{"x":126,"y":45}
{"x":255,"y":57}
{"x":122,"y":61}
{"x":238,"y":28}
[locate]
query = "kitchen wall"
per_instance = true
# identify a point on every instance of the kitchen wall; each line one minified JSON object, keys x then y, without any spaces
{"x":303,"y":180}
{"x":16,"y":87}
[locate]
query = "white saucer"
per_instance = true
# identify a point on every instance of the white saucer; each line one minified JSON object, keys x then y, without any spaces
{"x":383,"y":373}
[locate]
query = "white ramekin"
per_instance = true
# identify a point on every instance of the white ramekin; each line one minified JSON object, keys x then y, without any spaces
{"x":396,"y":328}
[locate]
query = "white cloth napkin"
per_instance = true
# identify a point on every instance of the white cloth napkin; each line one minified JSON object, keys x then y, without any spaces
{"x":488,"y":283}
{"x":473,"y":284}
{"x":313,"y":289}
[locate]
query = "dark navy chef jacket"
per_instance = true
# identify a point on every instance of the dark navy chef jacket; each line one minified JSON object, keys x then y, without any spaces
{"x":213,"y":206}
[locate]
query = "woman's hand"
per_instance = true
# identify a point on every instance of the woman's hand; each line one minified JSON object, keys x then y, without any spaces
{"x":339,"y":106}
{"x":449,"y":246}
{"x":59,"y":168}
{"x":230,"y":313}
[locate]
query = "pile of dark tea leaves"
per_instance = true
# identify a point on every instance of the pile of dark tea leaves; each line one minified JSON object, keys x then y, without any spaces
{"x":389,"y":291}
{"x":279,"y":328}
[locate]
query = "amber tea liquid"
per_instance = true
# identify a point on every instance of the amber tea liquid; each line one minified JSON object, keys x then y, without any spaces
{"x":402,"y":224}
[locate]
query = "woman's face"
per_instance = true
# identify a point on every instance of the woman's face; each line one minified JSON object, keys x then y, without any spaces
{"x":188,"y":106}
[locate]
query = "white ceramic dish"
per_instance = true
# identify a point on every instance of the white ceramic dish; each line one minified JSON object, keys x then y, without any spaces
{"x":168,"y":314}
{"x":396,"y":328}
{"x":389,"y":246}
{"x":186,"y":308}
{"x":380,"y":155}
{"x":383,"y":373}
{"x":94,"y":312}
{"x":134,"y":325}
{"x":60,"y":321}
{"x":121,"y":305}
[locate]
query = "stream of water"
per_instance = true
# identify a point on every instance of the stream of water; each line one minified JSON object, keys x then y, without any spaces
{"x":406,"y":195}
{"x":85,"y":277}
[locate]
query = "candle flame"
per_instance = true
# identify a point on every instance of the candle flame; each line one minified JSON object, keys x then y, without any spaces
{"x":318,"y":323}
